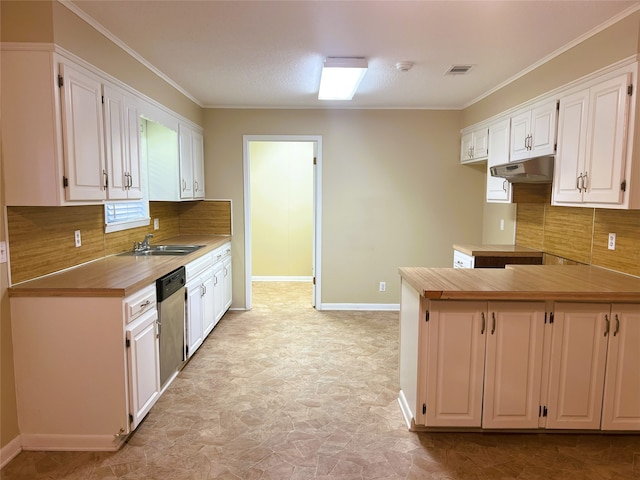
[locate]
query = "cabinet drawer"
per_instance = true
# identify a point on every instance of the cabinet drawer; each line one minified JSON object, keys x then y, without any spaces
{"x":197,"y":266}
{"x":462,"y":260}
{"x":221,"y":252}
{"x":139,"y":303}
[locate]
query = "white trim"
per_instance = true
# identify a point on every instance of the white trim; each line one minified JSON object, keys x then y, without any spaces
{"x":259,"y":278}
{"x":246,"y":139}
{"x":81,"y":443}
{"x":405,"y":409}
{"x":100,"y":28}
{"x":10,"y":451}
{"x":369,"y":307}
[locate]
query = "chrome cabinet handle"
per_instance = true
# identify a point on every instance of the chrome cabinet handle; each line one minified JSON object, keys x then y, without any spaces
{"x":195,"y":182}
{"x":578,"y":186}
{"x":483,"y":324}
{"x":617,"y":329}
{"x":157,"y":328}
{"x":145,"y":304}
{"x":585,"y":181}
{"x":607,"y":325}
{"x":105,"y":177}
{"x":493,"y":324}
{"x":504,"y":185}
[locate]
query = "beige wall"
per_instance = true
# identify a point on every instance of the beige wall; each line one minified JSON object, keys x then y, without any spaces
{"x":281,"y":208}
{"x":393,"y":191}
{"x":615,"y":43}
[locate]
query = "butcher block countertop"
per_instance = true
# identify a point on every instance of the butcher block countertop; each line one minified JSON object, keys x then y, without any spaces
{"x":497,"y":250}
{"x":116,"y":275}
{"x":524,"y":282}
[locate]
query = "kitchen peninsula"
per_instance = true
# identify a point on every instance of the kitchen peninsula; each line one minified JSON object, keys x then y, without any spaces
{"x":527,"y":347}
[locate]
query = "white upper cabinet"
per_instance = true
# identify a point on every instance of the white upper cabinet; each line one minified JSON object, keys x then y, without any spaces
{"x":592,"y":144}
{"x":191,"y":163}
{"x":533,"y":130}
{"x":122,"y":144}
{"x":83,"y":134}
{"x":474,"y":144}
{"x":498,"y":189}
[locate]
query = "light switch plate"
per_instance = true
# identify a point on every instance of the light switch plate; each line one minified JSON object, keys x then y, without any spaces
{"x":3,"y":252}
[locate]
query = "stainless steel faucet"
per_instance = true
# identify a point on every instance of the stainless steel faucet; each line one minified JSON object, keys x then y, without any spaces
{"x":143,"y":245}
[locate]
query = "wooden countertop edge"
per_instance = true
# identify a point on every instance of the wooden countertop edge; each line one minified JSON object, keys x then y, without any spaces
{"x":35,"y":288}
{"x":439,"y":279}
{"x":498,"y":251}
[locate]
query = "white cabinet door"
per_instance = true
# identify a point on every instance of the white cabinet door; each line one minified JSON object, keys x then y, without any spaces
{"x":513,"y":366}
{"x":621,"y":409}
{"x":186,"y":162}
{"x":474,"y":145}
{"x":606,"y":141}
{"x":83,"y":134}
{"x":578,"y":355}
{"x":533,"y":131}
{"x":197,"y":152}
{"x":228,"y":285}
{"x":455,"y":364}
{"x":134,"y":160}
{"x":208,"y":302}
{"x":498,"y":189}
{"x":195,"y":327}
{"x":115,"y":143}
{"x":592,"y":137}
{"x":572,"y":134}
{"x":144,"y":366}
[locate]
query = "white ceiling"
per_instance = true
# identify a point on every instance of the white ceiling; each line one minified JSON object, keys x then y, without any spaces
{"x":269,"y":53}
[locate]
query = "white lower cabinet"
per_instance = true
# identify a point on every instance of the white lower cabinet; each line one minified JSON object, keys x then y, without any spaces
{"x":594,"y":377}
{"x":519,"y":365}
{"x":86,"y":368}
{"x":144,"y":365}
{"x":208,"y":294}
{"x":484,"y":364}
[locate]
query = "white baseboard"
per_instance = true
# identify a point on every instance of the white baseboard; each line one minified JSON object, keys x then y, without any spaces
{"x":370,"y":307}
{"x":259,"y":278}
{"x":405,"y":409}
{"x":82,"y":443}
{"x":10,"y":451}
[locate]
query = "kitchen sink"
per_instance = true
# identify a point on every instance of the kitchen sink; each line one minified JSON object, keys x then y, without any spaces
{"x":164,"y":250}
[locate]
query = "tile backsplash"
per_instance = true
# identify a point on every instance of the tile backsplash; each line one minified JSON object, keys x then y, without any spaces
{"x":580,"y":235}
{"x":41,"y":239}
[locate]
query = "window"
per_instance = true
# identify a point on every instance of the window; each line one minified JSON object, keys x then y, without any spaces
{"x":124,"y":215}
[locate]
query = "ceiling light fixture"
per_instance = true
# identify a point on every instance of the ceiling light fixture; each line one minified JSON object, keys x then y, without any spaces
{"x":340,"y":77}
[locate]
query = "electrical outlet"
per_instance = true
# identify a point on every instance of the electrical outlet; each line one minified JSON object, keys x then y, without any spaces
{"x":3,"y":252}
{"x":156,"y":223}
{"x":383,"y":286}
{"x":78,"y":239}
{"x":612,"y":241}
{"x":502,"y":224}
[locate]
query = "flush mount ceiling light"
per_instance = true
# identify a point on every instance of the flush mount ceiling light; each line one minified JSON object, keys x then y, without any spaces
{"x":341,"y":77}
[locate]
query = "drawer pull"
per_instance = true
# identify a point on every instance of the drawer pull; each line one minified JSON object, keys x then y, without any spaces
{"x":143,"y":305}
{"x":483,"y":324}
{"x":607,"y":325}
{"x":617,"y":329}
{"x":493,"y":324}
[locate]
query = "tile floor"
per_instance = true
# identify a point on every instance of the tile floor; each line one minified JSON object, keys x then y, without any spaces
{"x":287,"y":392}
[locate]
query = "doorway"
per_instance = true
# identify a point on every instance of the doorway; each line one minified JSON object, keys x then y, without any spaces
{"x":254,"y":160}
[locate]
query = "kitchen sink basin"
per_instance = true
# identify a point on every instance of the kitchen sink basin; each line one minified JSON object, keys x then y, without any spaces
{"x":165,"y":250}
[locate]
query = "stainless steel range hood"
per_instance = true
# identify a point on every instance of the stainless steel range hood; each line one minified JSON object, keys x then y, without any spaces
{"x":532,"y":170}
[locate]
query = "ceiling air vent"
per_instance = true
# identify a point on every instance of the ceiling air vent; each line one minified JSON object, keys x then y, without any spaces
{"x":459,"y":69}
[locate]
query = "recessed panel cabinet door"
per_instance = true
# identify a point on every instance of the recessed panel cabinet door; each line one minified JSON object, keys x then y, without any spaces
{"x":455,"y":364}
{"x":513,"y":369}
{"x":83,"y":135}
{"x":621,"y":409}
{"x":578,"y":355}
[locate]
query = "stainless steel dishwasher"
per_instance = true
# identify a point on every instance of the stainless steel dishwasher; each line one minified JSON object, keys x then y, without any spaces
{"x":170,"y":292}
